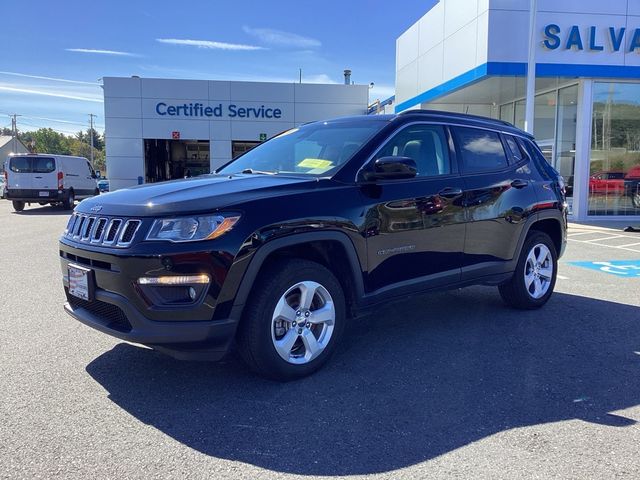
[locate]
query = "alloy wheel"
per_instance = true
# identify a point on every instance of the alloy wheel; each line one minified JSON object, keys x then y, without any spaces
{"x":538,"y":271}
{"x":302,"y":322}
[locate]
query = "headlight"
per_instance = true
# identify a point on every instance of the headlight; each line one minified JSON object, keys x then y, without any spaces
{"x":191,"y":229}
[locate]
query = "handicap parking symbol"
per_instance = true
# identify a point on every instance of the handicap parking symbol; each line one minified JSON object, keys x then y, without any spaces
{"x":621,"y":268}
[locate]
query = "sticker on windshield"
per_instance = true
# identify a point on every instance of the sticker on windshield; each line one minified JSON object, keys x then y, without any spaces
{"x":316,"y":163}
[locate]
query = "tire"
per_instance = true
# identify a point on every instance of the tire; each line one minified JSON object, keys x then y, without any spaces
{"x":18,"y":205}
{"x":535,"y":276}
{"x":70,"y":200}
{"x":303,"y":349}
{"x":96,"y":192}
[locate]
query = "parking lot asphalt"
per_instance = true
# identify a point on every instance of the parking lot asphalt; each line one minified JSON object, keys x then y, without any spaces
{"x":446,"y":385}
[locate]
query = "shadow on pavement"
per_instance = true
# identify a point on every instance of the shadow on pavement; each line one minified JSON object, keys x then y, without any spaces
{"x":420,"y":379}
{"x":41,"y":210}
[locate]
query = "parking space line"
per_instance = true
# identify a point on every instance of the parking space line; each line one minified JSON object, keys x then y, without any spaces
{"x":611,"y":237}
{"x":605,"y":245}
{"x":581,"y":233}
{"x":561,"y":277}
{"x":628,"y":245}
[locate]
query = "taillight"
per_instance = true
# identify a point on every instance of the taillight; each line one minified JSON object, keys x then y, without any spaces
{"x":60,"y":180}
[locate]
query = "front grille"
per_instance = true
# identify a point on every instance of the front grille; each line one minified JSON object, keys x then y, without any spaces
{"x":111,"y":315}
{"x":111,"y":232}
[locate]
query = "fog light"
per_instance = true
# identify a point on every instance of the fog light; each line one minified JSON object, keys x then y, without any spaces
{"x":175,"y":280}
{"x":192,"y":293}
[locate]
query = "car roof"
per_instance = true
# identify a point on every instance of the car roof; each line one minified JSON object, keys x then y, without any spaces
{"x":463,"y":119}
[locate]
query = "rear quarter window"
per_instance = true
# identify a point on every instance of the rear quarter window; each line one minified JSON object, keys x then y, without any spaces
{"x":480,"y":150}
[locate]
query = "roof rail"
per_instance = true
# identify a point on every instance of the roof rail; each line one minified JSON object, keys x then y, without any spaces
{"x":442,"y":113}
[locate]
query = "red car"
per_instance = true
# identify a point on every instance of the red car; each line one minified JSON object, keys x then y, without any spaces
{"x":607,"y":183}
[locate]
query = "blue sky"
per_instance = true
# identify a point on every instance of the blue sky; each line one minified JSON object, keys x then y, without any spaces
{"x":54,"y":53}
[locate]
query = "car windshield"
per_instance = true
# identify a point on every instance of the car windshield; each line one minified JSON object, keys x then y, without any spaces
{"x":316,"y":149}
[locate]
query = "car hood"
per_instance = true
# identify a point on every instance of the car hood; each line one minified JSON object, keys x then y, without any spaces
{"x":192,"y":195}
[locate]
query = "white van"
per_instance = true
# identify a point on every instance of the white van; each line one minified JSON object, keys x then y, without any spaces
{"x":48,"y":179}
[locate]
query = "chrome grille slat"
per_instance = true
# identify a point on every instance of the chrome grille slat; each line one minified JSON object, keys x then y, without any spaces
{"x":108,"y":232}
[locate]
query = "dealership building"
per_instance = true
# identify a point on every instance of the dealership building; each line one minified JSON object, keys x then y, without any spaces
{"x":471,"y":56}
{"x":160,"y":129}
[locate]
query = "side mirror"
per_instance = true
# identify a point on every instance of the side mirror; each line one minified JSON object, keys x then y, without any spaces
{"x":391,"y":168}
{"x":97,"y":174}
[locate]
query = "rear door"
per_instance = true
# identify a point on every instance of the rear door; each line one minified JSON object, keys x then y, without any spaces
{"x":45,"y":176}
{"x":20,"y":173}
{"x":499,"y":196}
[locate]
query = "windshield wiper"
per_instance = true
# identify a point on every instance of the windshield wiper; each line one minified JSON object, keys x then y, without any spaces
{"x":259,"y":172}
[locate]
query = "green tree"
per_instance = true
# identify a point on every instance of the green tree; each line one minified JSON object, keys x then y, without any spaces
{"x":48,"y":140}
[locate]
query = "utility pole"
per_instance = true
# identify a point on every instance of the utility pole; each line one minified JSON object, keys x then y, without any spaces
{"x":14,"y":132}
{"x":91,"y":115}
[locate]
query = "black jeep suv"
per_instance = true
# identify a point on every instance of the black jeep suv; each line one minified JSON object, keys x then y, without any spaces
{"x":277,"y":249}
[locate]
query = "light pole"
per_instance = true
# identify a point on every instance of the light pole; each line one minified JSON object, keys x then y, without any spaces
{"x":529,"y":109}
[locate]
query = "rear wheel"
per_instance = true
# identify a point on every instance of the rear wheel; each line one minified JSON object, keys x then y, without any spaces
{"x":18,"y":205}
{"x":294,"y":320}
{"x":535,"y":276}
{"x":69,"y":202}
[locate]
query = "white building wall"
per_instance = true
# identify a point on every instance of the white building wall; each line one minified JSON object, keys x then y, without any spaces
{"x":131,"y":116}
{"x":457,"y":36}
{"x":450,"y":39}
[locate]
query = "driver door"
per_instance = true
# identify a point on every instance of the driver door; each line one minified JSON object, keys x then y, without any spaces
{"x":415,"y":228}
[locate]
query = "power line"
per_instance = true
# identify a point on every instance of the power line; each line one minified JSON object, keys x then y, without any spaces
{"x":56,"y":120}
{"x":59,"y":130}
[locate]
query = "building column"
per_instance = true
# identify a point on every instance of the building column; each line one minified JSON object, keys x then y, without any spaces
{"x":583,"y":150}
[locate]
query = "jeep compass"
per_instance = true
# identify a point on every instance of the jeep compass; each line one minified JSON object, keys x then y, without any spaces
{"x":278,"y":249}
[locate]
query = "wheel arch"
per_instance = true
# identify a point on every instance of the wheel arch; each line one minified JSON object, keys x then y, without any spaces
{"x":332,"y":249}
{"x":549,"y":222}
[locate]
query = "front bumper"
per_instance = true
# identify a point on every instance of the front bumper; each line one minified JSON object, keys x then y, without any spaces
{"x":118,"y":307}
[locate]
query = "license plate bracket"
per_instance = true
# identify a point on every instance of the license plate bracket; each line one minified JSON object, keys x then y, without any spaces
{"x":81,"y":282}
{"x":43,"y":193}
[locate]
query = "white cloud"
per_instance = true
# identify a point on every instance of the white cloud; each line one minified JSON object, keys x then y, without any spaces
{"x":39,"y":77}
{"x":381,"y":92}
{"x":279,"y":38}
{"x":51,"y":93}
{"x":102,"y":52}
{"x":208,"y":44}
{"x":320,"y":78}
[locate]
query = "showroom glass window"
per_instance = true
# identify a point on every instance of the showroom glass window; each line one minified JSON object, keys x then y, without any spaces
{"x":614,"y":170}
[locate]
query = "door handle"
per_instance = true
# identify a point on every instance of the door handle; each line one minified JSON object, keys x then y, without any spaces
{"x":37,"y":177}
{"x":450,"y":192}
{"x":517,"y":183}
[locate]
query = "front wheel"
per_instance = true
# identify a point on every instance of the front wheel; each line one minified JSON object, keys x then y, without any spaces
{"x":535,"y":276}
{"x":18,"y":205}
{"x":294,"y":320}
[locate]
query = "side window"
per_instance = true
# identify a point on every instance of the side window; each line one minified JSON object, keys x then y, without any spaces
{"x":425,"y":144}
{"x":481,"y":150}
{"x":43,"y":165}
{"x":91,"y":172}
{"x":20,"y":165}
{"x":516,"y":151}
